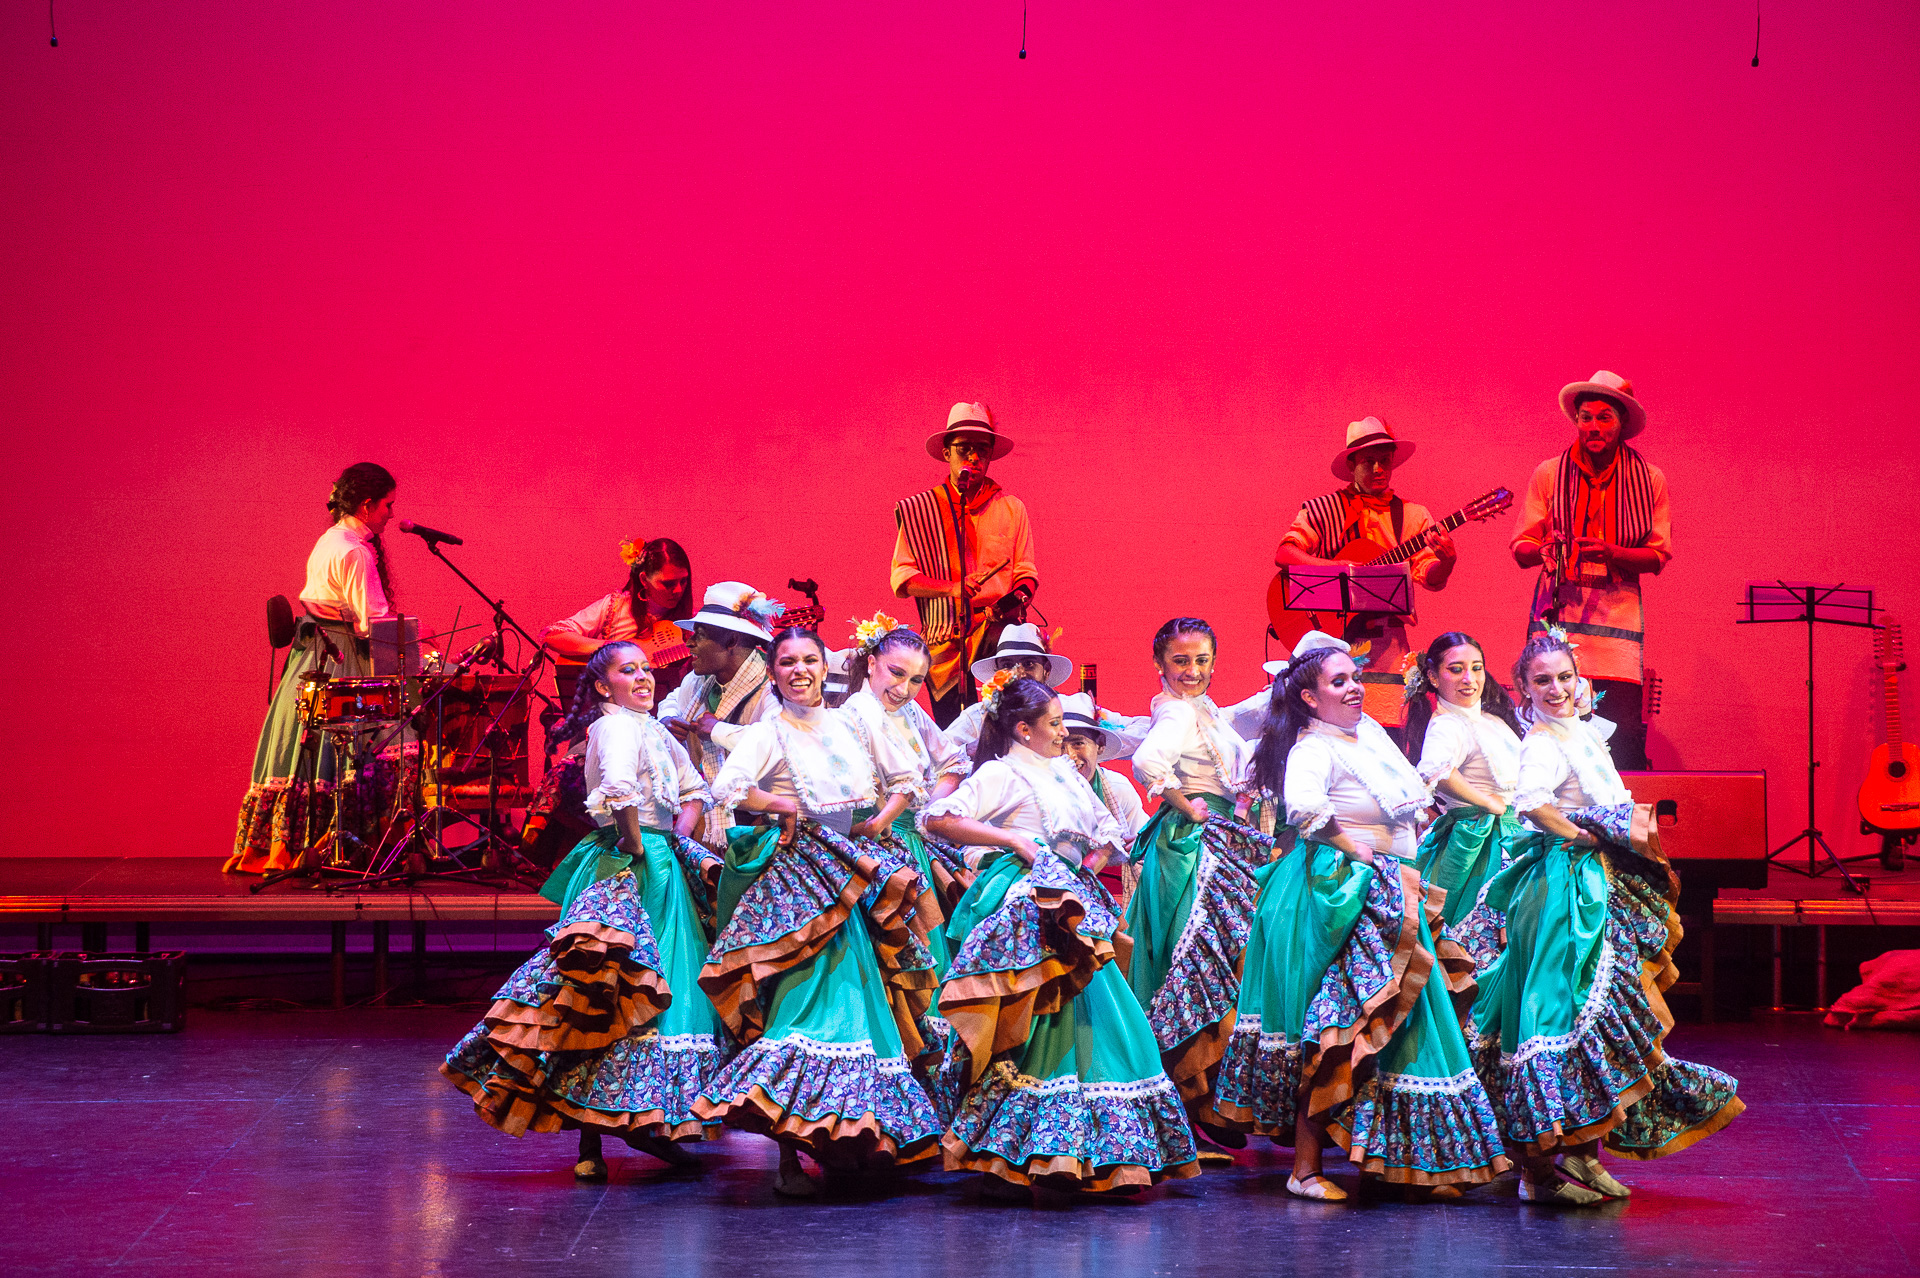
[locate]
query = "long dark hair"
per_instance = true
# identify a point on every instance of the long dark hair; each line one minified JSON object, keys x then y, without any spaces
{"x":1538,"y":645}
{"x":893,"y":641}
{"x":359,"y":484}
{"x":1021,"y":701}
{"x":586,"y":694}
{"x":655,"y":555}
{"x":1493,"y":697}
{"x":796,"y":632}
{"x":1163,"y":638}
{"x":1287,"y":713}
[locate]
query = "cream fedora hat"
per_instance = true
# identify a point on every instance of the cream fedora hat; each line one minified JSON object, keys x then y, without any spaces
{"x":1365,"y":433}
{"x":1614,"y":387}
{"x":969,"y":419}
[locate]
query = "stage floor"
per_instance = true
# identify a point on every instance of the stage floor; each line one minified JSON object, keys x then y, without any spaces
{"x":323,"y":1142}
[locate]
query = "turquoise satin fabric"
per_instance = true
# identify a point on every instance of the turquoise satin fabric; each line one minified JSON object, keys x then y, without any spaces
{"x":598,"y":857}
{"x":1308,"y":906}
{"x":1157,"y":912}
{"x":1464,"y":849}
{"x":1555,"y":897}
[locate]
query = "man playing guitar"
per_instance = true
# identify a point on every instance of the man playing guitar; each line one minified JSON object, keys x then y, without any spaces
{"x":1366,"y":509}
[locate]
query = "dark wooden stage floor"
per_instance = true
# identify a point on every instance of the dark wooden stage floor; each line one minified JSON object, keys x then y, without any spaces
{"x":323,"y":1142}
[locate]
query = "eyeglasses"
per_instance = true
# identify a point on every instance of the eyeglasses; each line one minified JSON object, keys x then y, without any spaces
{"x":970,"y":448}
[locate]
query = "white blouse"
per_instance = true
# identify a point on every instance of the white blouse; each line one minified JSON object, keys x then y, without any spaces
{"x":964,"y":732}
{"x":633,"y":762}
{"x":1359,"y":779}
{"x":343,"y":578}
{"x":1191,"y":748}
{"x":1477,"y":747}
{"x":913,"y":737}
{"x":1564,"y":762}
{"x":821,"y":758}
{"x":1045,"y":798}
{"x":1124,"y":802}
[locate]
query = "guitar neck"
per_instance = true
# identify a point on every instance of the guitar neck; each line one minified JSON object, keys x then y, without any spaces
{"x":1411,"y":546}
{"x":1891,"y":691}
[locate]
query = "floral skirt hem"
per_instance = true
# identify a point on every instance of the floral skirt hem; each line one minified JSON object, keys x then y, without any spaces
{"x":1065,"y":1134}
{"x":635,"y":1088}
{"x":1423,"y":1131}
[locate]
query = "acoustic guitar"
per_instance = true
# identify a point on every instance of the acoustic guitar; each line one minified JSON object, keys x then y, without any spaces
{"x":1890,"y":796}
{"x":1289,"y":625}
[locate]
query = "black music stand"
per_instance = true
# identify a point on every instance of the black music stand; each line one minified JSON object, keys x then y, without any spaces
{"x":1836,"y":605}
{"x":1383,"y":589}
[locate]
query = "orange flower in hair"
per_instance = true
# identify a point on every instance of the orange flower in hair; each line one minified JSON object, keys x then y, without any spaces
{"x":632,"y":549}
{"x":990,"y":690}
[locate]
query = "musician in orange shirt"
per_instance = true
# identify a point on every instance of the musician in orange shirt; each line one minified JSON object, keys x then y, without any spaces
{"x":1368,"y":508}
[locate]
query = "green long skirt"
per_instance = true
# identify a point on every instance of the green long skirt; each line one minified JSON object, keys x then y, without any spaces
{"x":1461,"y":851}
{"x":1339,"y":1013}
{"x":1189,"y":917}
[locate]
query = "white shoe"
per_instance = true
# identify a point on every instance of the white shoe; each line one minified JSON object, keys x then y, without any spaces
{"x":1316,"y":1187}
{"x":1558,"y":1192}
{"x":1586,"y":1169}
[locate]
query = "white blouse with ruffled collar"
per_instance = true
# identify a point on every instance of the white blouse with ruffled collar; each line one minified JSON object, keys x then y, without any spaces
{"x":1191,"y":747}
{"x":634,"y":762}
{"x":1359,"y":779}
{"x":913,"y":738}
{"x":1045,"y":798}
{"x":823,"y":759}
{"x":1477,"y":747}
{"x":1565,"y":763}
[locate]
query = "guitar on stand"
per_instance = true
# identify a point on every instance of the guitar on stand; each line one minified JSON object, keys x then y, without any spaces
{"x":1890,"y":796}
{"x":1288,"y":625}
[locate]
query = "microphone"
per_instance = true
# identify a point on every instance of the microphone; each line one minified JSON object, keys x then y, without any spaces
{"x":966,"y":481}
{"x":429,"y":535}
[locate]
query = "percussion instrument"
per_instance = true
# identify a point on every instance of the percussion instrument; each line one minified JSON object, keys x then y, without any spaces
{"x":345,"y":704}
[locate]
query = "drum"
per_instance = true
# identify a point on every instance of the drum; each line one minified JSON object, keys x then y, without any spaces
{"x":352,"y":703}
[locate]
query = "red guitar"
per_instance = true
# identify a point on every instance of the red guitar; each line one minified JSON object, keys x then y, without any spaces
{"x":1288,"y":625}
{"x":1890,"y":796}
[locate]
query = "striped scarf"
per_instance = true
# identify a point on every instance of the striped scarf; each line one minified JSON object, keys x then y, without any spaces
{"x":933,"y":522}
{"x":1335,"y":520}
{"x":1632,"y":497}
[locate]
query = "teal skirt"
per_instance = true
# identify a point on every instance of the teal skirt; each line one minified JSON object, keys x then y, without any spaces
{"x":817,"y":973}
{"x":1339,"y":1014}
{"x":1189,"y":917}
{"x":1569,"y":1022}
{"x":606,"y":1027}
{"x":1461,"y":851}
{"x":1063,"y":1083}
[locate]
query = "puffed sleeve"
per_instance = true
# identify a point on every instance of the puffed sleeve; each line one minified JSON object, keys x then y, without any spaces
{"x":755,"y":754}
{"x":589,"y":623}
{"x":1544,"y":768}
{"x":726,"y":734}
{"x":693,"y":786}
{"x":990,"y":795}
{"x":1449,"y":744}
{"x":949,"y":759}
{"x":1153,"y":763}
{"x":964,"y":732}
{"x":895,"y":766}
{"x":614,"y":743}
{"x":1309,"y":785}
{"x":359,"y":571}
{"x":1248,"y":717}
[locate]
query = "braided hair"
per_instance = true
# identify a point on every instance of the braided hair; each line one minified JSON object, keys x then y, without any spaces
{"x":1287,"y":713}
{"x":1493,"y":697}
{"x":1021,"y":701}
{"x":587,"y":694}
{"x":1164,"y":637}
{"x":357,"y":485}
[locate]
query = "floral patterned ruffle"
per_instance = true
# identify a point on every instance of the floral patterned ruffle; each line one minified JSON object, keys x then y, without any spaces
{"x":1072,"y":1134}
{"x":1423,"y":1131}
{"x":844,"y":1104}
{"x":1193,"y":1011}
{"x":1610,"y":1078}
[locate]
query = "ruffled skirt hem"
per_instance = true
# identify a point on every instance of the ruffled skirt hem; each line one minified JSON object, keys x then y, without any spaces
{"x":843,"y":1105}
{"x":1064,"y":1134}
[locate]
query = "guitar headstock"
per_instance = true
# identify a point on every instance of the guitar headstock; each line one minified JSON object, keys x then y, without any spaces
{"x":1651,"y":686}
{"x":1487,"y":505}
{"x":809,"y":615}
{"x":1888,"y":652}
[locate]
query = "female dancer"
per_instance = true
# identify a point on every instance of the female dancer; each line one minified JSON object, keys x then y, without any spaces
{"x":347,"y":589}
{"x":659,"y":592}
{"x":1341,"y":1030}
{"x":816,"y":970}
{"x":1569,"y":1021}
{"x":1066,"y":1089}
{"x":1466,"y":741}
{"x":605,"y":1029}
{"x":889,"y":666}
{"x":1191,"y":912}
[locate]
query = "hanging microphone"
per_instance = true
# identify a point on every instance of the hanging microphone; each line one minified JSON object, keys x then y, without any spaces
{"x":429,"y":535}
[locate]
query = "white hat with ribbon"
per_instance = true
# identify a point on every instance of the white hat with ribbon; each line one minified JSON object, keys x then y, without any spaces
{"x":1610,"y":386}
{"x":1021,"y":643}
{"x":1366,"y":433}
{"x":734,"y":605}
{"x":975,"y":421}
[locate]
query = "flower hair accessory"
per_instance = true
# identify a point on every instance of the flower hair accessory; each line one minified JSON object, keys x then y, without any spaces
{"x":868,"y":634}
{"x":990,"y":691}
{"x":1413,"y":676}
{"x":632,"y":549}
{"x":1555,"y":632}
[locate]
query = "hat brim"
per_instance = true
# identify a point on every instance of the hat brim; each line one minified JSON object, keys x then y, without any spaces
{"x":1058,"y":668}
{"x":1636,"y":415}
{"x":937,"y":442}
{"x":1114,"y":746}
{"x":1343,"y":460}
{"x":726,"y":623}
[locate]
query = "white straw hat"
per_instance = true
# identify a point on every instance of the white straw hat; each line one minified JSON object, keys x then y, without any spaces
{"x":1022,"y":642}
{"x":1614,"y":387}
{"x":969,"y":419}
{"x":734,"y":605}
{"x":1365,"y":433}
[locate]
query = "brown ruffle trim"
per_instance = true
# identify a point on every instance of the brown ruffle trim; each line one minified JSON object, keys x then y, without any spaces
{"x":1193,"y":1064}
{"x":832,"y":1142}
{"x":1062,"y":1172}
{"x":992,"y":1012}
{"x":1692,"y":1136}
{"x":1378,"y":1169}
{"x":514,"y":1111}
{"x":733,"y":980}
{"x":604,"y":997}
{"x":1456,"y":965}
{"x":1345,"y":1051}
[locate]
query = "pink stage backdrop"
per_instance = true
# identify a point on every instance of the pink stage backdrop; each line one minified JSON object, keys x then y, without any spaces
{"x":578,"y":271}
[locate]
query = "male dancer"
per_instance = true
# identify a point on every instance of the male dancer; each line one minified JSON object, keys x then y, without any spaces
{"x":729,"y":687}
{"x":964,"y":554}
{"x":1367,"y":507}
{"x":1595,"y":518}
